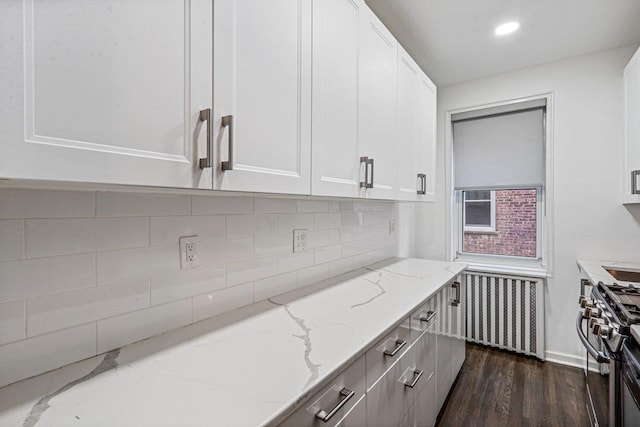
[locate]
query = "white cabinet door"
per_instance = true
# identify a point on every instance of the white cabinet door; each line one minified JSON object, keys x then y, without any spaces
{"x":416,"y":131}
{"x":407,"y":162}
{"x":263,"y":81}
{"x":105,"y":91}
{"x":632,"y":129}
{"x":336,"y":169}
{"x":426,"y":150}
{"x":377,"y":104}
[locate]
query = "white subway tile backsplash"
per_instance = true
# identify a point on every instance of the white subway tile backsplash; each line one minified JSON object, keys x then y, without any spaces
{"x":289,"y":222}
{"x":266,"y":288}
{"x":167,"y":230}
{"x":328,"y":253}
{"x":106,"y":265}
{"x":273,"y":244}
{"x":33,"y":356}
{"x":118,"y":266}
{"x":11,"y":239}
{"x":59,"y":311}
{"x":127,"y":328}
{"x":221,"y":205}
{"x":247,"y":271}
{"x":12,"y":321}
{"x":313,"y":206}
{"x":275,"y":205}
{"x":16,"y":203}
{"x":249,"y":225}
{"x":327,"y":220}
{"x":136,"y":204}
{"x":340,"y":266}
{"x":295,"y":261}
{"x":311,"y":275}
{"x":70,"y":236}
{"x":228,"y":299}
{"x":166,"y":287}
{"x":34,"y":277}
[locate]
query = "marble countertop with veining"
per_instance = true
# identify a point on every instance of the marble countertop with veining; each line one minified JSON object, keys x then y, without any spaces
{"x":595,"y":271}
{"x":250,"y":367}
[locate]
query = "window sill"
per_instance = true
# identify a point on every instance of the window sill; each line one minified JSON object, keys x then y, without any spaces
{"x":534,"y":269}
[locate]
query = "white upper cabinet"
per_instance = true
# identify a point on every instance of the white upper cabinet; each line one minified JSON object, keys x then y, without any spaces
{"x":416,"y":131}
{"x":335,"y":153}
{"x":106,"y":91}
{"x":262,"y":87}
{"x":377,"y":105}
{"x":631,"y":169}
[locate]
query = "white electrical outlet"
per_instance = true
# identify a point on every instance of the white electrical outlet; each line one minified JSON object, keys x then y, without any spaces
{"x":189,"y":252}
{"x":392,"y":226}
{"x":300,"y":240}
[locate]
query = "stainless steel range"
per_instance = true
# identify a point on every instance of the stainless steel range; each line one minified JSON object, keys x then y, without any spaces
{"x":604,"y":327}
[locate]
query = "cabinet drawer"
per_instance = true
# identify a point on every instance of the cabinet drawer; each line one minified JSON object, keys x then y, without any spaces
{"x":387,"y":351}
{"x":390,"y":398}
{"x":423,"y":317}
{"x":334,"y":401}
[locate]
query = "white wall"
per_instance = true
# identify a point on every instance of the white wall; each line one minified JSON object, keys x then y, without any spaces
{"x":589,"y":220}
{"x":83,"y":272}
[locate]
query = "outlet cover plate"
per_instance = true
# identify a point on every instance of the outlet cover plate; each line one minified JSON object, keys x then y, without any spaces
{"x":189,"y":252}
{"x":300,"y":240}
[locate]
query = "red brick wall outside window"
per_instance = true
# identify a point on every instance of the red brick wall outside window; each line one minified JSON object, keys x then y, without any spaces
{"x":516,"y":226}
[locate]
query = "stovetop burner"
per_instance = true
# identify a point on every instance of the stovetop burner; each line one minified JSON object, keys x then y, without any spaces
{"x":624,"y":301}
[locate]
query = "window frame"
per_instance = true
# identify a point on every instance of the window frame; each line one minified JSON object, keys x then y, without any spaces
{"x":477,"y":228}
{"x":541,"y":266}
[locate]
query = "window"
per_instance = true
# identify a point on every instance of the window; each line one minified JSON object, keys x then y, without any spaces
{"x":479,"y":211}
{"x":499,"y":184}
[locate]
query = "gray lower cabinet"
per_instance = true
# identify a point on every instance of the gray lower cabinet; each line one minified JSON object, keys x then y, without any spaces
{"x":403,"y":379}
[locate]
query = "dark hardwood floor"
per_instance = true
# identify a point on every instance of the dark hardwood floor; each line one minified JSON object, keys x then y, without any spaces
{"x":498,"y":388}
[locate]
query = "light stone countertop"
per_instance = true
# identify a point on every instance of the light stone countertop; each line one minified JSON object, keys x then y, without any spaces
{"x":594,"y":271}
{"x":252,"y":366}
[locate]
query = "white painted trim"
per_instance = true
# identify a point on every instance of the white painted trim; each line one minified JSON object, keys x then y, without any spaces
{"x":565,"y":359}
{"x":453,"y":208}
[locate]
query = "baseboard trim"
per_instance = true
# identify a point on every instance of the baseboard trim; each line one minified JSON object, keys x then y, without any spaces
{"x":565,"y":359}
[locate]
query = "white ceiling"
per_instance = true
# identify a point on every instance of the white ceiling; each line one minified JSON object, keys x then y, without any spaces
{"x":453,"y":40}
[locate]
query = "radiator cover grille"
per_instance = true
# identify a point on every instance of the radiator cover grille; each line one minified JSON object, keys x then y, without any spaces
{"x":505,"y":312}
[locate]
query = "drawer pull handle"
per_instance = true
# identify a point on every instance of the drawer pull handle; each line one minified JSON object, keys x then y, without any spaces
{"x":456,"y":299}
{"x":325,"y":416}
{"x":634,"y":182}
{"x":416,"y":378}
{"x":399,"y":345}
{"x":426,"y":317}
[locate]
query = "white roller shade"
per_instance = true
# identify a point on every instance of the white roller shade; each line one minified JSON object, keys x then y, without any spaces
{"x":505,"y":150}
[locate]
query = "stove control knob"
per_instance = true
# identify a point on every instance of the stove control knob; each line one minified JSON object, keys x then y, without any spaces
{"x":594,"y":320}
{"x":605,"y":331}
{"x":586,"y":302}
{"x":592,"y":312}
{"x":596,"y":325}
{"x":582,"y":298}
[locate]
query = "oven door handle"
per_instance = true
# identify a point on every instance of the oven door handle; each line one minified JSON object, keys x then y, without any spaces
{"x":599,"y":356}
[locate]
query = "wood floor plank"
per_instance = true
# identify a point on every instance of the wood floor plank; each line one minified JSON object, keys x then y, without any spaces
{"x":499,"y":388}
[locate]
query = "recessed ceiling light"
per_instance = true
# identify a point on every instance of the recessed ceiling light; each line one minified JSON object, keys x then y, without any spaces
{"x":507,"y":28}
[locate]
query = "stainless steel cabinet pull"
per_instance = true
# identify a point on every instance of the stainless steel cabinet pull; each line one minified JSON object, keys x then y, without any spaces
{"x":426,"y":317}
{"x":370,"y":184}
{"x":399,"y":345}
{"x":422,"y":188}
{"x":365,"y":183}
{"x":228,"y":121}
{"x":325,"y":416}
{"x":634,"y":182}
{"x":416,"y":376}
{"x":456,"y":300}
{"x":205,"y":116}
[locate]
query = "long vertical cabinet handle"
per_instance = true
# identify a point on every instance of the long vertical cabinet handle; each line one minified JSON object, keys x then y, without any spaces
{"x":227,"y":121}
{"x":365,"y":183}
{"x":456,"y":300}
{"x":370,"y":184}
{"x":423,"y":183}
{"x":205,"y":116}
{"x":634,"y":182}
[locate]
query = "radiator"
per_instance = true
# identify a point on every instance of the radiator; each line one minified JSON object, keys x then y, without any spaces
{"x":505,"y":312}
